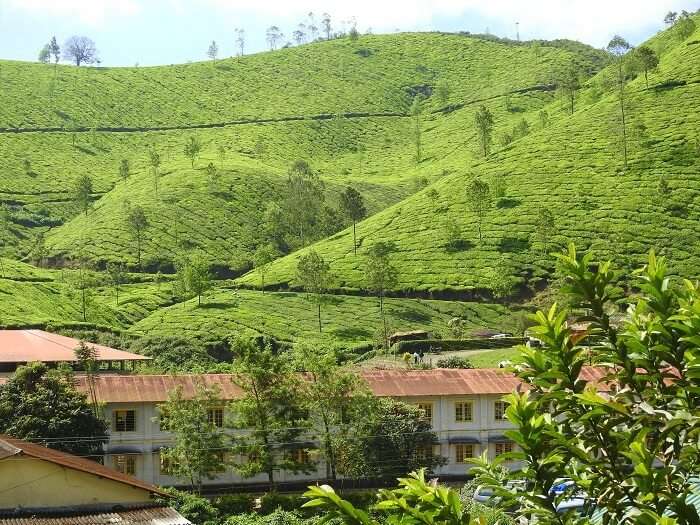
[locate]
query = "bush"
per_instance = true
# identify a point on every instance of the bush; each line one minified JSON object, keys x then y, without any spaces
{"x":454,"y":362}
{"x":194,"y":508}
{"x":235,"y":504}
{"x":274,"y":500}
{"x":361,"y":500}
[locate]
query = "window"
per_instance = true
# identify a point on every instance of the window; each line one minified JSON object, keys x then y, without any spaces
{"x":499,"y":410}
{"x":504,"y":448}
{"x":463,"y":451}
{"x":215,"y":416}
{"x":124,"y":420}
{"x":124,"y":463}
{"x":301,"y":456}
{"x":427,"y":409}
{"x":424,"y":454}
{"x":463,"y":411}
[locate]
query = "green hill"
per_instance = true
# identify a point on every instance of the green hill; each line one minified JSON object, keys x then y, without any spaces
{"x":342,"y":105}
{"x":572,"y":167}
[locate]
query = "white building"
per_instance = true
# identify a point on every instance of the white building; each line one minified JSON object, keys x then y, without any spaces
{"x":464,"y":406}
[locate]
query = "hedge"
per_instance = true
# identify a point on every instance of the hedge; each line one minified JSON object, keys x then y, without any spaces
{"x":446,"y":345}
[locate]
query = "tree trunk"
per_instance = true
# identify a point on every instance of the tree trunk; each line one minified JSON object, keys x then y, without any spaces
{"x":646,"y":78}
{"x":354,"y":238}
{"x":319,"y":315}
{"x":82,"y":294}
{"x":621,"y":78}
{"x":262,"y":279}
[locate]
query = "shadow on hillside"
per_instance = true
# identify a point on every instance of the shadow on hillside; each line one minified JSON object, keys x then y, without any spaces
{"x":412,"y":315}
{"x":513,"y":244}
{"x":214,"y":306}
{"x":507,"y":202}
{"x":459,"y":245}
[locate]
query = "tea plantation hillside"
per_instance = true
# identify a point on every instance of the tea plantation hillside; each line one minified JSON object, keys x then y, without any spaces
{"x":63,"y":123}
{"x":573,"y":168}
{"x":290,"y":316}
{"x":374,"y":74}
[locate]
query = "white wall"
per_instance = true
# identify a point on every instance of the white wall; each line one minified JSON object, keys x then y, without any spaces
{"x":147,"y":438}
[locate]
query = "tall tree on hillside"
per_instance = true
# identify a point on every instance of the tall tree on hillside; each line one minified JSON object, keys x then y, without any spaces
{"x":45,"y":54}
{"x":82,"y":193}
{"x":192,"y":149}
{"x":303,"y":200}
{"x":314,"y":274}
{"x":137,"y":224}
{"x":240,"y":40}
{"x":273,"y":36}
{"x":442,"y":91}
{"x":199,"y":446}
{"x":213,"y":50}
{"x":330,"y":394}
{"x":353,"y":206}
{"x":647,"y":60}
{"x":684,"y":26}
{"x":326,"y":25}
{"x":124,"y":169}
{"x":619,"y":47}
{"x":299,"y":35}
{"x":479,"y":200}
{"x":670,"y":18}
{"x":570,"y":83}
{"x":545,"y":227}
{"x":82,"y":282}
{"x":55,"y":51}
{"x":80,"y":49}
{"x":313,"y":28}
{"x":117,"y":276}
{"x":264,"y":255}
{"x":154,"y":162}
{"x":193,"y":275}
{"x":484,"y":129}
{"x":416,"y":111}
{"x":272,"y":408}
{"x":381,"y":276}
{"x":42,"y":405}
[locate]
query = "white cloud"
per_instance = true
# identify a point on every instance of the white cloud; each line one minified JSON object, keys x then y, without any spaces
{"x":90,"y":12}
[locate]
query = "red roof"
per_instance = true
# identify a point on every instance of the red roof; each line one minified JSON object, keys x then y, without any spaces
{"x":11,"y":447}
{"x":384,"y":383}
{"x":140,"y":516}
{"x":27,"y":346}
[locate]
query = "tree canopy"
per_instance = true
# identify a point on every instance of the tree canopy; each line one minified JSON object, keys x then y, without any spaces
{"x":42,"y":405}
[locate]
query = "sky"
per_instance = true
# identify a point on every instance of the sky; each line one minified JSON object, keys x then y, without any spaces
{"x":155,"y":32}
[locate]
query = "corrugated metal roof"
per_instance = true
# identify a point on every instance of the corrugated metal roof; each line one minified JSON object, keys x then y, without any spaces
{"x":384,"y":383}
{"x":18,"y":447}
{"x":143,"y":516}
{"x":26,"y":346}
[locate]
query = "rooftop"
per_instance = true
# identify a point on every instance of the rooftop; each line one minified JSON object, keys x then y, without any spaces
{"x":15,"y":448}
{"x":142,"y":516}
{"x":26,"y":346}
{"x":385,"y":383}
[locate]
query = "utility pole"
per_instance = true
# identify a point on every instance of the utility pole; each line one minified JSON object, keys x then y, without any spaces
{"x":517,"y":31}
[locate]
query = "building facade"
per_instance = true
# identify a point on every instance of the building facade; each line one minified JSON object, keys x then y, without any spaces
{"x":465,"y":408}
